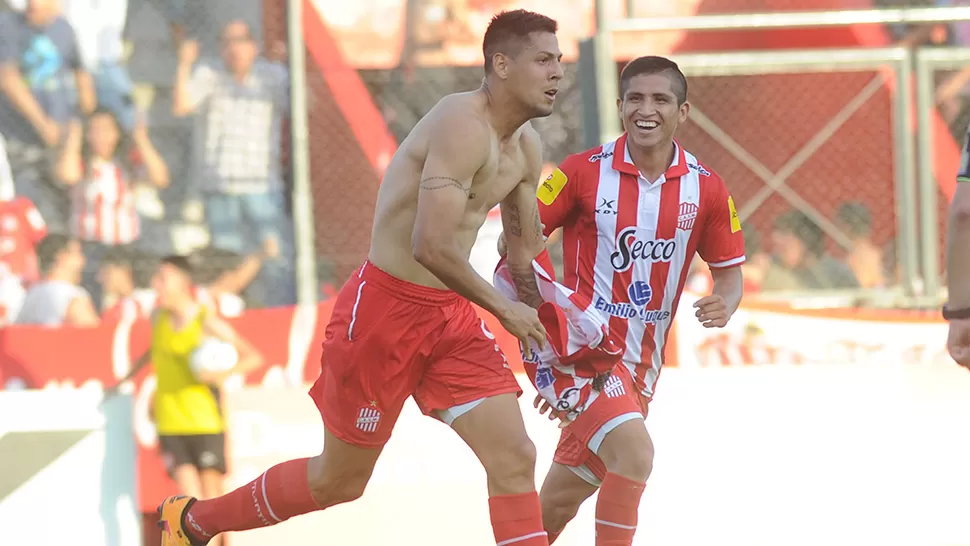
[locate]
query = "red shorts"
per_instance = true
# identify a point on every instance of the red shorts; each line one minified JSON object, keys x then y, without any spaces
{"x":389,"y":339}
{"x":619,"y":402}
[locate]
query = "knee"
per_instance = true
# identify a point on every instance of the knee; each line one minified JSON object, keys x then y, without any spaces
{"x":634,"y":460}
{"x":558,"y":509}
{"x":330,"y":486}
{"x":511,"y":465}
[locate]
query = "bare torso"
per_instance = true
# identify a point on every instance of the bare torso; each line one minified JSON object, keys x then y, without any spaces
{"x":508,"y":163}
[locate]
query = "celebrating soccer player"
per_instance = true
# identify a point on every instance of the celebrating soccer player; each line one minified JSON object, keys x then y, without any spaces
{"x":403,"y":325}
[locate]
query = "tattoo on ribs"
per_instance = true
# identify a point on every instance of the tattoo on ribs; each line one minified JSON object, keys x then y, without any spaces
{"x":442,"y":182}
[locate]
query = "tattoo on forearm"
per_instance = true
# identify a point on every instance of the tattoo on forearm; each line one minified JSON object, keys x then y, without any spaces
{"x":514,"y":222}
{"x":526,"y":287}
{"x":442,"y":182}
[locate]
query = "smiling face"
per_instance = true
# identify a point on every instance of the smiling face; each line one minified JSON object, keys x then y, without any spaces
{"x":650,"y":110}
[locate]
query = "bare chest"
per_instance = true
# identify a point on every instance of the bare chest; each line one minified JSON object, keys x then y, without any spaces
{"x":505,"y":169}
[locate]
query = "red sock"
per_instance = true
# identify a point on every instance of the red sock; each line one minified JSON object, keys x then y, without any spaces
{"x":517,"y":520}
{"x":276,"y":496}
{"x":616,"y":511}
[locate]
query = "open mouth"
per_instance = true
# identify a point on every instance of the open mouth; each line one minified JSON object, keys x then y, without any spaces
{"x":647,"y":125}
{"x":552,"y":93}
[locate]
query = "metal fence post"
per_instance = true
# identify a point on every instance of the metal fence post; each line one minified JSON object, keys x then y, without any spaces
{"x":907,"y":238}
{"x":928,"y":203}
{"x":303,"y":225}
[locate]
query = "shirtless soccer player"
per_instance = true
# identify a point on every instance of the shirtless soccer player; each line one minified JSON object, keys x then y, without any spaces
{"x":633,"y":214}
{"x":403,"y":325}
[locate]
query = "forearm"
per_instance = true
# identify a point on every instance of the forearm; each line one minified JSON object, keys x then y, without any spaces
{"x":958,"y":249}
{"x":22,"y":99}
{"x":525,"y":242}
{"x":86,"y":98}
{"x":154,"y":164}
{"x":729,"y":284}
{"x":181,"y":102}
{"x":453,"y":269}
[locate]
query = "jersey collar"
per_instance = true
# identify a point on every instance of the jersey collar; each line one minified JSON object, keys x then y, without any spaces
{"x":623,"y":163}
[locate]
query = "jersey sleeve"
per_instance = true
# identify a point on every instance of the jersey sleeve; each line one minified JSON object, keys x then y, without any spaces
{"x":721,"y":242}
{"x":34,"y":223}
{"x":557,"y":196}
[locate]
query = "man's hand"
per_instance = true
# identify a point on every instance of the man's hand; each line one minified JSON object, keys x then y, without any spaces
{"x":545,"y":408}
{"x":523,"y":322}
{"x":958,"y":342}
{"x":188,"y":53}
{"x":712,"y":311}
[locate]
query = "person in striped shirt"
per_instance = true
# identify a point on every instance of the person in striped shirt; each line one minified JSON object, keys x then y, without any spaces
{"x":104,"y":172}
{"x":633,"y":213}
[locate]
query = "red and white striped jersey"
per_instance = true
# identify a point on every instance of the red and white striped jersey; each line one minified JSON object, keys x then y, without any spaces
{"x":103,"y":205}
{"x":21,"y":228}
{"x":628,"y":241}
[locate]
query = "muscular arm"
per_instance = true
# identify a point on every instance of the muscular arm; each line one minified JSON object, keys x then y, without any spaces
{"x":522,"y":227}
{"x":957,"y":256}
{"x":458,"y":148}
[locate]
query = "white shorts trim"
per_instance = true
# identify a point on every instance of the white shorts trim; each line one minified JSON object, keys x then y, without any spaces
{"x":449,"y":415}
{"x":597,"y":440}
{"x":586,"y":475}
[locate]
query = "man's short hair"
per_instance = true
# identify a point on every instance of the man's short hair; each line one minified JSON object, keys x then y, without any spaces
{"x":856,"y":218}
{"x":804,"y":228}
{"x":655,"y":65}
{"x":49,"y":248}
{"x":509,"y":31}
{"x":182,"y":263}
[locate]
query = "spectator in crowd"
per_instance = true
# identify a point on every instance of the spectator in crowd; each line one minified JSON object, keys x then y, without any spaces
{"x":864,"y":257}
{"x":800,"y":261}
{"x":21,"y":228}
{"x":99,"y":25}
{"x":125,"y":277}
{"x":221,"y":276}
{"x":58,"y":299}
{"x":239,"y":106}
{"x":38,"y":56}
{"x":756,"y":264}
{"x":103,"y":174}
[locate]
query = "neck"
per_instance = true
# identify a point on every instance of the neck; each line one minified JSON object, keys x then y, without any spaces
{"x":183,"y":306}
{"x":63,"y":275}
{"x":654,"y":161}
{"x":513,"y":114}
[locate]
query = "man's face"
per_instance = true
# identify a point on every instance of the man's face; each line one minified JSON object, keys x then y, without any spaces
{"x":533,"y":75}
{"x":72,"y":258}
{"x":650,"y":111}
{"x":41,"y":12}
{"x":788,"y":248}
{"x":238,"y":48}
{"x":170,"y":283}
{"x":116,"y":279}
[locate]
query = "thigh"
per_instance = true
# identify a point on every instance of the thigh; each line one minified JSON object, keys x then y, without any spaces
{"x":467,"y":366}
{"x":374,"y":352}
{"x":210,"y":453}
{"x":176,"y":452}
{"x":563,"y":488}
{"x":223,"y":215}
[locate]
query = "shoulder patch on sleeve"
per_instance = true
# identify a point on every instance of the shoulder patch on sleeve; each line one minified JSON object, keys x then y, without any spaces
{"x":735,"y":221}
{"x":551,"y":187}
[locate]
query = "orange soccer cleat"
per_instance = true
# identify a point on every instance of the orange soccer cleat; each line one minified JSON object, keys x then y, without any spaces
{"x":170,"y":514}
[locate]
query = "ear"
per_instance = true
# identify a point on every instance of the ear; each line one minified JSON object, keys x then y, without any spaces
{"x":500,"y":65}
{"x":684,"y":111}
{"x":619,"y":107}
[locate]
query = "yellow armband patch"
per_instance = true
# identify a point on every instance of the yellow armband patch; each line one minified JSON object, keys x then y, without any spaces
{"x":551,"y":187}
{"x":735,"y":221}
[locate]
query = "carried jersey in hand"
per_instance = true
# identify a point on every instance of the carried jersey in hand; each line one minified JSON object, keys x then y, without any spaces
{"x":21,"y":228}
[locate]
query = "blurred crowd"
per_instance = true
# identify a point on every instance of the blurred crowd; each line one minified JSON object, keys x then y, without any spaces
{"x":80,"y":174}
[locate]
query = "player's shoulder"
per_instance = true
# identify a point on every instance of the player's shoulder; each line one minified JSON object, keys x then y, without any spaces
{"x":461,"y":115}
{"x":587,"y":162}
